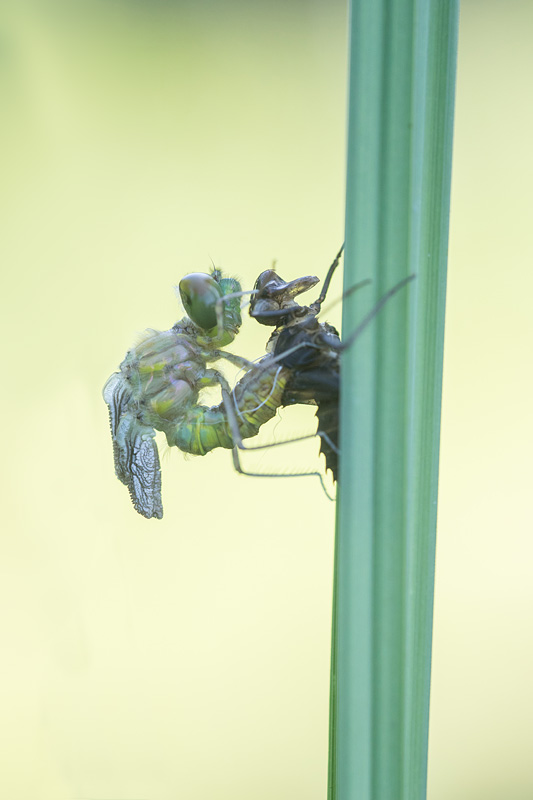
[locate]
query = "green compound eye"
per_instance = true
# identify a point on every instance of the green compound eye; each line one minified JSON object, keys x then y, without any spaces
{"x":199,"y":294}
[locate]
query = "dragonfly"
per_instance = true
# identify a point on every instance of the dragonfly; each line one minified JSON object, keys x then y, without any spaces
{"x":161,"y":378}
{"x":158,"y":383}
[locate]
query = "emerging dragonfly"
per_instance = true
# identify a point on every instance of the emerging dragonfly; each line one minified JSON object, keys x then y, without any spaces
{"x":159,"y":381}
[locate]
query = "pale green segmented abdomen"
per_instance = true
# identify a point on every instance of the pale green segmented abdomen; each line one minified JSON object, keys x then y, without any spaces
{"x":257,"y":397}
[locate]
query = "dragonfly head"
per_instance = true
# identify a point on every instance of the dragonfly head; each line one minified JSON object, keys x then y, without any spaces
{"x":208,"y":298}
{"x":273,"y":301}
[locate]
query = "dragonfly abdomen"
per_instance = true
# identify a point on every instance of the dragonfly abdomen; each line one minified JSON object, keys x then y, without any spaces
{"x":256,"y":399}
{"x":259,"y":395}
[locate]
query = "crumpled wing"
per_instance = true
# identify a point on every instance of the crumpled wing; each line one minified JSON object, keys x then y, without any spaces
{"x":117,"y":396}
{"x":139,"y":466}
{"x":135,"y":451}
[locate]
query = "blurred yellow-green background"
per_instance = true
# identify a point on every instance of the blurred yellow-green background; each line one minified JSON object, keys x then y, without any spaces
{"x":189,"y":658}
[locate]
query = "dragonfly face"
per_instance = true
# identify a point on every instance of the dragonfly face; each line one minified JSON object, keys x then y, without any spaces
{"x":208,"y":299}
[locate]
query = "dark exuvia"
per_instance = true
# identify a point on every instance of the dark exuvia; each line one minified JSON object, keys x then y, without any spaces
{"x":309,"y":350}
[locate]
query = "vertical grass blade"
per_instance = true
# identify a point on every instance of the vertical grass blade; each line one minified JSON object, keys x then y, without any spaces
{"x":402,"y":77}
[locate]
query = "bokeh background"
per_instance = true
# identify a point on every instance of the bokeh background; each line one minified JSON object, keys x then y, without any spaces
{"x":189,"y":657}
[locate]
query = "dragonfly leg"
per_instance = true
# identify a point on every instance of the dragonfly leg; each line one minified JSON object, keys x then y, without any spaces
{"x":230,"y":407}
{"x":327,"y":281}
{"x":238,"y":361}
{"x":242,"y":471}
{"x":373,"y":312}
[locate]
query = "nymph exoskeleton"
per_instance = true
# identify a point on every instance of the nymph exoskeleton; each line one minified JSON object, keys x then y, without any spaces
{"x":308,"y":350}
{"x":303,"y":365}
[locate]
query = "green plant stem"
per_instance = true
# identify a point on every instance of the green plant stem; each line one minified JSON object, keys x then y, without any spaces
{"x":402,"y":78}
